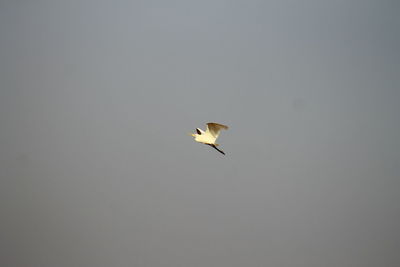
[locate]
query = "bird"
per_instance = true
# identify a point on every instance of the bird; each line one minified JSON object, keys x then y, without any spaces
{"x":209,"y":136}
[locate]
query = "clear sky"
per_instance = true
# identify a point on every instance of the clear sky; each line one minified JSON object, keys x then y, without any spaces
{"x":97,"y":99}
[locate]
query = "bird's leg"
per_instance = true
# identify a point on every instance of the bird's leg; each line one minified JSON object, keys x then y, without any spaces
{"x":219,"y":150}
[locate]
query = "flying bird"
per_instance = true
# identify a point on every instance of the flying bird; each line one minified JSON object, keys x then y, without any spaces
{"x":209,"y":136}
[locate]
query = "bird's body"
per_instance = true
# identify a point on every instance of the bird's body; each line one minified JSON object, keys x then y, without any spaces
{"x":209,"y":136}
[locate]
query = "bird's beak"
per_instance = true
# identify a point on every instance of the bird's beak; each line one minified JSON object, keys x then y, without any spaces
{"x":191,"y":134}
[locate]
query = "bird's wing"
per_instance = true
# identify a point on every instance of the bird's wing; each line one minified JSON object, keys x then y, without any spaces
{"x":214,"y":129}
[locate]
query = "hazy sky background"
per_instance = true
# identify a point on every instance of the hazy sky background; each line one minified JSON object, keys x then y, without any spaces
{"x":97,"y":98}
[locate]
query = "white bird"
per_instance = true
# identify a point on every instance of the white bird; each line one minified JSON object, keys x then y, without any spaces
{"x":209,"y":136}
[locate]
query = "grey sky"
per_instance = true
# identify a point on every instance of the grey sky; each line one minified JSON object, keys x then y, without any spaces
{"x":97,"y":98}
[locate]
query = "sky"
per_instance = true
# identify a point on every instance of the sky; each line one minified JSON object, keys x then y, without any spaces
{"x":97,"y":99}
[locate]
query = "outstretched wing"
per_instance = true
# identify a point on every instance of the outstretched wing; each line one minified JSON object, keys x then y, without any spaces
{"x":214,"y":129}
